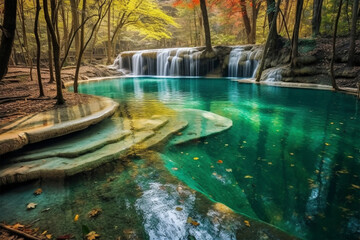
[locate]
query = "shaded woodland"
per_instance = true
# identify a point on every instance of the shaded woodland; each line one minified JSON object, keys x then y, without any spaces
{"x":58,"y":33}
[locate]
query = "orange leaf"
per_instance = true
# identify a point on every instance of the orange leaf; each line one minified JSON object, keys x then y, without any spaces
{"x":220,"y":161}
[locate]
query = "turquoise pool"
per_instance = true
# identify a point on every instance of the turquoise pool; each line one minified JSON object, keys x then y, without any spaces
{"x":291,"y":159}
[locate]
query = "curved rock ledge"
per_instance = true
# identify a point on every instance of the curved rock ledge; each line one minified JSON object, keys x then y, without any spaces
{"x":113,"y":139}
{"x":54,"y":123}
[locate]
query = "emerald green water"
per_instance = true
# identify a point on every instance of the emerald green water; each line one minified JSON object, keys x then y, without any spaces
{"x":291,"y":158}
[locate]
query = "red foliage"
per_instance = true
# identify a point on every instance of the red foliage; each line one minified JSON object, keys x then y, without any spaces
{"x":186,"y":3}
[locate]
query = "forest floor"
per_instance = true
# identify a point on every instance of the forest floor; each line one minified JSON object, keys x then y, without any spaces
{"x":19,"y":96}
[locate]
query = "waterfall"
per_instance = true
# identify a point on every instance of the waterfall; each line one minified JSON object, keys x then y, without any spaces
{"x":242,"y":63}
{"x":137,"y":63}
{"x":189,"y":62}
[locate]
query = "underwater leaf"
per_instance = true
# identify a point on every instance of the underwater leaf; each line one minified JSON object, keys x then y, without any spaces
{"x":175,"y":168}
{"x":189,"y":220}
{"x":76,"y":217}
{"x":195,"y":223}
{"x":38,"y":191}
{"x":350,"y":156}
{"x":248,"y":176}
{"x":292,"y":154}
{"x":94,"y":212}
{"x":228,"y":169}
{"x":220,"y":161}
{"x":247,"y":223}
{"x":196,"y":158}
{"x":92,"y":235}
{"x":327,"y":144}
{"x":355,"y":186}
{"x":178,"y":209}
{"x":31,"y":205}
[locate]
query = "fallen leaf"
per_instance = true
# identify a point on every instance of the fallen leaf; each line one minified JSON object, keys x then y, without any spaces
{"x":292,"y":165}
{"x":94,"y":212}
{"x":292,"y":154}
{"x":195,"y":223}
{"x":76,"y":218}
{"x":38,"y":191}
{"x":196,"y":158}
{"x":92,"y":235}
{"x":178,"y":209}
{"x":31,"y":205}
{"x":248,"y":176}
{"x":220,"y":161}
{"x":350,"y":156}
{"x":44,"y":232}
{"x":228,"y":169}
{"x":247,"y":223}
{"x":269,"y":163}
{"x":17,"y":226}
{"x":174,"y":168}
{"x":48,"y":236}
{"x":189,"y":220}
{"x":327,"y":144}
{"x":355,"y":186}
{"x":226,"y":145}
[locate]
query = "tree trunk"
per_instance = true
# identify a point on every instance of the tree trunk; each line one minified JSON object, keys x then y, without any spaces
{"x":56,"y":51}
{"x":109,"y":38}
{"x":82,"y":33}
{"x":333,"y":80}
{"x":353,"y":33}
{"x":65,"y":27}
{"x":75,"y":24}
{"x":50,"y":57}
{"x":8,"y":34}
{"x":206,"y":26}
{"x":286,"y":8}
{"x":26,"y":45}
{"x":38,"y":48}
{"x":316,"y":18}
{"x":272,"y":13}
{"x":246,"y":20}
{"x":295,"y":38}
{"x":196,"y":31}
{"x":268,"y":40}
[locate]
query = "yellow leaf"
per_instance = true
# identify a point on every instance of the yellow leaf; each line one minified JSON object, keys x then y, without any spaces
{"x":44,"y":232}
{"x":92,"y":235}
{"x":355,"y":186}
{"x":196,"y":158}
{"x":248,"y":176}
{"x":195,"y":223}
{"x":178,"y":209}
{"x":94,"y":212}
{"x":228,"y":169}
{"x":174,"y":168}
{"x":247,"y":223}
{"x":270,"y":163}
{"x":350,"y":156}
{"x":292,"y":154}
{"x":76,"y":217}
{"x":327,"y":144}
{"x":48,"y":236}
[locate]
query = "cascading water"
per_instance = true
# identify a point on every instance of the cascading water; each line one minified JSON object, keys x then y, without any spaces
{"x":189,"y":62}
{"x":242,"y":63}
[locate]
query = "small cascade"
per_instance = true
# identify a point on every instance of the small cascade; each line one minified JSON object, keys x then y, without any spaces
{"x":189,"y":62}
{"x":137,"y":64}
{"x":242,"y":63}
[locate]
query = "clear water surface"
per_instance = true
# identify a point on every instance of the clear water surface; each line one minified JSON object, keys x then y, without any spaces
{"x":291,"y":159}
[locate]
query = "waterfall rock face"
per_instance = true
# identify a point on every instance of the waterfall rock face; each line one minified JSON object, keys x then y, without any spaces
{"x":240,"y":61}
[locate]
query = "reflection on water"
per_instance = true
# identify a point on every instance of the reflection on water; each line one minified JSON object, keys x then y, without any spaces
{"x":291,"y":159}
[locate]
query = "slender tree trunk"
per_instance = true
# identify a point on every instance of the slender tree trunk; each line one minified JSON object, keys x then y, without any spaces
{"x":65,"y":26}
{"x":8,"y":34}
{"x":50,"y":57}
{"x":75,"y":24}
{"x":56,"y":52}
{"x":353,"y":33}
{"x":38,"y":48}
{"x":83,"y":12}
{"x":26,"y":45}
{"x":333,"y":80}
{"x":268,"y":40}
{"x":196,"y":31}
{"x":316,"y":18}
{"x":295,"y":38}
{"x":206,"y":26}
{"x":272,"y":13}
{"x":286,"y":8}
{"x":109,"y":38}
{"x":246,"y":20}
